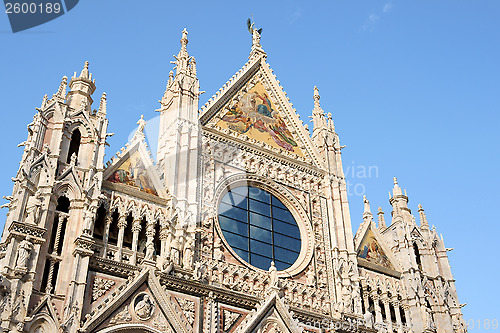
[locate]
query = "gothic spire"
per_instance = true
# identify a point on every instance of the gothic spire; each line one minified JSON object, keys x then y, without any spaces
{"x":183,"y":62}
{"x":61,"y":91}
{"x":102,"y":105}
{"x":423,"y":219}
{"x":318,"y":115}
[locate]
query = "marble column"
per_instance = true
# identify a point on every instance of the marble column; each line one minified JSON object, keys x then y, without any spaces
{"x":105,"y":237}
{"x":136,"y":229}
{"x":122,"y":224}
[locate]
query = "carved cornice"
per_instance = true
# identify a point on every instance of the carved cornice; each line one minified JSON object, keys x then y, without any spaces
{"x":23,"y":229}
{"x":199,"y":289}
{"x":134,"y":192}
{"x":113,"y":267}
{"x":277,"y":156}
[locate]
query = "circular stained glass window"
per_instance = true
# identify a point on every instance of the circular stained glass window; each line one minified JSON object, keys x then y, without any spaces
{"x":259,"y":228}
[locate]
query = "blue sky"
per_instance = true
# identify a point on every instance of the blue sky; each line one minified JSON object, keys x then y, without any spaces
{"x":413,"y":87}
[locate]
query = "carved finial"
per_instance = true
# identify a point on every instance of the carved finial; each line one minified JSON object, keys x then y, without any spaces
{"x":316,"y":97}
{"x":184,"y":43}
{"x":85,"y":70}
{"x":423,"y":218}
{"x":103,"y":104}
{"x":396,"y":190}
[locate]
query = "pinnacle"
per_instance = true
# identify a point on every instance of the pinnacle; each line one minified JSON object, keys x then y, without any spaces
{"x":102,"y":105}
{"x":423,"y":218}
{"x":85,"y":70}
{"x":316,"y":94}
{"x":397,"y":189}
{"x":184,"y":40}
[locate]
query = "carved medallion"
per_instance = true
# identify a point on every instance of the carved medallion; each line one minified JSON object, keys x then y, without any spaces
{"x":143,"y":306}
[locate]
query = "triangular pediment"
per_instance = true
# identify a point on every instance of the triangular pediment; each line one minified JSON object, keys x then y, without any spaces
{"x":70,"y":176}
{"x":134,"y":169}
{"x":271,"y":316}
{"x":253,"y":108}
{"x":142,"y":302}
{"x":372,"y":251}
{"x":45,"y":308}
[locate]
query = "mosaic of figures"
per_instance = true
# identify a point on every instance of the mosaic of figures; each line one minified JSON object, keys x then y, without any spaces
{"x":132,"y":172}
{"x":371,"y":251}
{"x":255,"y":115}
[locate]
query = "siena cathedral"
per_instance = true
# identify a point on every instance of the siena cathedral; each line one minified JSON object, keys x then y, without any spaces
{"x":241,"y":224}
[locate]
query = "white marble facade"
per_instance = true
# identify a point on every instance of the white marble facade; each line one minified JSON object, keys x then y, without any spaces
{"x":138,"y":245}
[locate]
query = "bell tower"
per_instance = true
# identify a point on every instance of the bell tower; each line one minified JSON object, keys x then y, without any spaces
{"x":55,"y":196}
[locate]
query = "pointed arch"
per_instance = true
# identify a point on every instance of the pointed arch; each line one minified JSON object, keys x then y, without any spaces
{"x":129,"y":328}
{"x":74,"y":145}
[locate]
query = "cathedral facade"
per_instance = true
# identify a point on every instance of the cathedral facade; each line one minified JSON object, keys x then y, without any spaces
{"x":241,"y":224}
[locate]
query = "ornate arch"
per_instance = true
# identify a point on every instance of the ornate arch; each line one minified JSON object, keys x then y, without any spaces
{"x":67,"y":189}
{"x":42,"y":323}
{"x":129,"y":328}
{"x":74,"y":124}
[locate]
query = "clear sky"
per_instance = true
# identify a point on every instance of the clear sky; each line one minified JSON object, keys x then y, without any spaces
{"x":413,"y":87}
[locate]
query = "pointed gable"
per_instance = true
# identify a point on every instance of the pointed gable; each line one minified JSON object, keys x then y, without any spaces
{"x":143,"y":303}
{"x":271,"y":316}
{"x":253,"y":107}
{"x":132,"y":172}
{"x":257,"y":117}
{"x":135,"y":169}
{"x":372,"y":252}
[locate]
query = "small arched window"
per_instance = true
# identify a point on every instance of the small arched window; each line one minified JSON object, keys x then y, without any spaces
{"x":113,"y":229}
{"x":156,"y":239}
{"x":74,"y":145}
{"x":100,"y":222}
{"x":417,"y":256}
